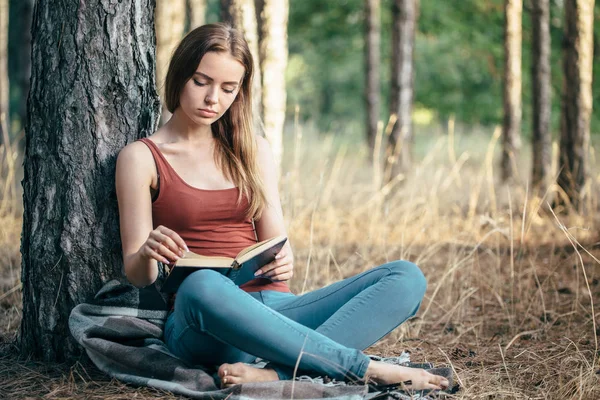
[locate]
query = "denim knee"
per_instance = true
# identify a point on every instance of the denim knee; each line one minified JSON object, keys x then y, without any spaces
{"x":203,"y":290}
{"x":410,"y":276}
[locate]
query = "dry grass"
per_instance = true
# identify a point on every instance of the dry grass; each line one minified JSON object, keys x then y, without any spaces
{"x":512,"y":287}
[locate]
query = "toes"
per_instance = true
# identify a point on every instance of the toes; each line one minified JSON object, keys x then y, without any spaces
{"x":439,"y":381}
{"x":236,"y":369}
{"x":224,"y":369}
{"x":231,"y":380}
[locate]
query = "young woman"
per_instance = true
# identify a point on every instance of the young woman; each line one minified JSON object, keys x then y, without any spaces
{"x":206,"y":183}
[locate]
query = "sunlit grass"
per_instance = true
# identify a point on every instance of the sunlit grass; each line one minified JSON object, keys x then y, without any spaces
{"x":512,"y":287}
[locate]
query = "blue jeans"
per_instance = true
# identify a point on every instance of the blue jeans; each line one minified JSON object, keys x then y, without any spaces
{"x":215,"y":322}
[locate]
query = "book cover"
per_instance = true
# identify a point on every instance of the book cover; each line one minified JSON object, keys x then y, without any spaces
{"x":240,"y":270}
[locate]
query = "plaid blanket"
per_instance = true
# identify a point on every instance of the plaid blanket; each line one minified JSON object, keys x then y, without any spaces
{"x":121,"y":331}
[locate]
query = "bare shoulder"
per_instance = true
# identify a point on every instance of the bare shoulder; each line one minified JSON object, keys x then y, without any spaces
{"x":135,"y":153}
{"x":136,"y":159}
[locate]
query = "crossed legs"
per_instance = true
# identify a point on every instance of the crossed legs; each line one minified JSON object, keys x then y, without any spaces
{"x":217,"y":323}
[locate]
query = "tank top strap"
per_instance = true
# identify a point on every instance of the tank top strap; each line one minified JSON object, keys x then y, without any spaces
{"x":163,"y":168}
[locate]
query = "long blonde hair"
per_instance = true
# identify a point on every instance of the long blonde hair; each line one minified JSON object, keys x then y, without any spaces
{"x":236,"y":149}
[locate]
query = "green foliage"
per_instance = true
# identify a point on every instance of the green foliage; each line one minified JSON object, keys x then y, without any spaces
{"x":326,"y":72}
{"x":458,"y":61}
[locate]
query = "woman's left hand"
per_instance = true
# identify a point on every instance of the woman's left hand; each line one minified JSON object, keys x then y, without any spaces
{"x":282,"y":269}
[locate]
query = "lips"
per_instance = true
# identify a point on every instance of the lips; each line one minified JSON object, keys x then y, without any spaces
{"x":207,"y":112}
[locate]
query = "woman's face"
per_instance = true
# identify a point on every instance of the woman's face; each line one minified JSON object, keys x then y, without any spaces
{"x":212,"y":89}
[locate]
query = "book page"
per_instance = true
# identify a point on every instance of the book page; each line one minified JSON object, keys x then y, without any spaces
{"x":196,"y":260}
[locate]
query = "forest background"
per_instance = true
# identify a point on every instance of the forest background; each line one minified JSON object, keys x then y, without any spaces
{"x":458,"y":59}
{"x":513,"y":280}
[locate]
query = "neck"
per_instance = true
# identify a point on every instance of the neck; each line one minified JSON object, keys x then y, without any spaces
{"x":183,"y":129}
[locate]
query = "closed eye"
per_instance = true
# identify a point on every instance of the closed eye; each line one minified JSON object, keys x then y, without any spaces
{"x":201,"y":84}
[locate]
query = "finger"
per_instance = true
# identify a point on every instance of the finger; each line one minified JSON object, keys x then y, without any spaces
{"x":282,"y":253}
{"x":267,"y":267}
{"x":159,"y":248}
{"x":166,"y":252}
{"x":154,"y":255}
{"x":287,"y":260}
{"x":161,"y":235}
{"x":283,"y":277}
{"x":153,"y":244}
{"x":278,"y":270}
{"x":173,"y":236}
{"x":282,"y":271}
{"x":170,"y":244}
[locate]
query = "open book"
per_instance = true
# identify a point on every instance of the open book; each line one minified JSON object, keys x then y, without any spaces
{"x":240,"y":269}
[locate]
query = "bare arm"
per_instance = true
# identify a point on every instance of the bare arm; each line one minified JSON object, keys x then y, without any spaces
{"x":142,"y":246}
{"x":271,"y":222}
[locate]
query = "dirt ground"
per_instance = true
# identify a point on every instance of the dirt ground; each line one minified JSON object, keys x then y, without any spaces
{"x":533,"y":340}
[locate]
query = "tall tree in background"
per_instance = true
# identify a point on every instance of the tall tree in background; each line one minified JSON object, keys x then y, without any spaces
{"x":511,"y":128}
{"x":170,"y":26}
{"x":24,"y":71}
{"x":576,"y":104}
{"x":241,"y":14}
{"x":273,"y":49}
{"x":404,"y":14}
{"x":196,"y":11}
{"x":372,"y":61}
{"x":4,"y":118}
{"x":92,"y":92}
{"x":541,"y":94}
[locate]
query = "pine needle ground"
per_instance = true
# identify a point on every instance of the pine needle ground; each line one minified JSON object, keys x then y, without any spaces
{"x":513,"y":285}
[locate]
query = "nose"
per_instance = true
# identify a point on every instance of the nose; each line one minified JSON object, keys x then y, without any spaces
{"x":212,"y":97}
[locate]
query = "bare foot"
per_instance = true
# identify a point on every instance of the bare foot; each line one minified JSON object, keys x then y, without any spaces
{"x":232,"y":374}
{"x":413,"y":378}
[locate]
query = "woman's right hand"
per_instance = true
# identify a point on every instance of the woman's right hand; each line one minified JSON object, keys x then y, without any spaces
{"x":164,"y":245}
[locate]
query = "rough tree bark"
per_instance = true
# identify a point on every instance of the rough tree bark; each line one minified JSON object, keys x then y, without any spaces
{"x":372,"y":62}
{"x":170,"y":26}
{"x":196,"y":11}
{"x":541,"y":95}
{"x":513,"y":10}
{"x":4,"y":117}
{"x":241,"y":14}
{"x":404,"y":14}
{"x":576,"y":104}
{"x":273,"y":49}
{"x":92,"y":92}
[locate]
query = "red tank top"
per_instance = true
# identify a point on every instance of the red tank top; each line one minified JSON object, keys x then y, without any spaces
{"x":211,"y":222}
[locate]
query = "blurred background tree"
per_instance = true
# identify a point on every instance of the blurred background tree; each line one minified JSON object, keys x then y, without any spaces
{"x":458,"y":61}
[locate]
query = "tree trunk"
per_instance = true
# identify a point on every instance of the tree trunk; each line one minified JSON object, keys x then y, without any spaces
{"x":92,"y":92}
{"x":4,"y":116}
{"x":511,"y":127}
{"x":576,"y":104}
{"x":372,"y":61}
{"x":273,"y":61}
{"x":541,"y":94}
{"x":196,"y":11}
{"x":170,"y":26}
{"x":404,"y":17}
{"x":241,"y":14}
